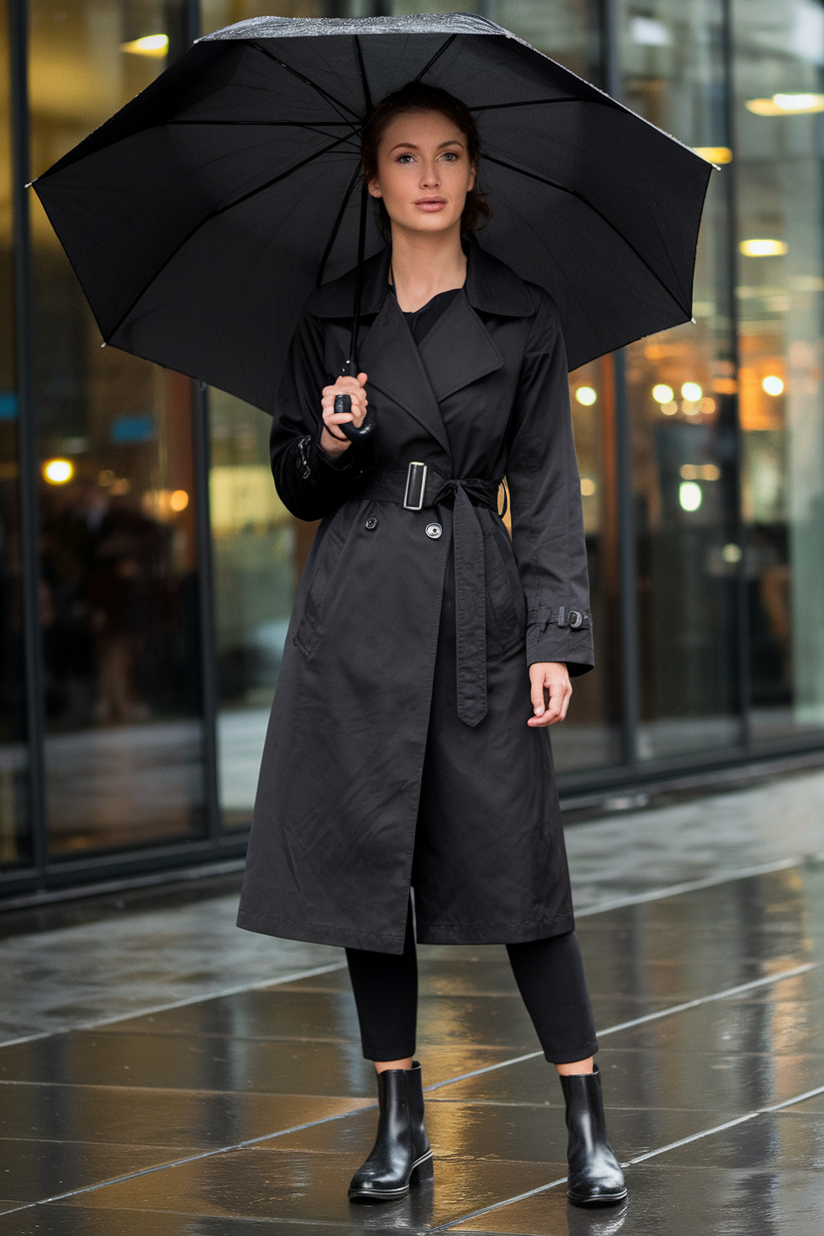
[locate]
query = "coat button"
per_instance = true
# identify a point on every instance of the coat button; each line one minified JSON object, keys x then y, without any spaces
{"x":434,"y":531}
{"x":371,"y":523}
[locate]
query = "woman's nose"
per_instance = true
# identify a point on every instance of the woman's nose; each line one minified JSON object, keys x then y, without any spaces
{"x":429,"y":179}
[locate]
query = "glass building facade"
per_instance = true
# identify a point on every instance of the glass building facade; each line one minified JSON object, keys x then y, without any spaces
{"x":147,"y":567}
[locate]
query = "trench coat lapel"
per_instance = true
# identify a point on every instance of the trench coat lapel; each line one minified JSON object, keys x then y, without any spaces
{"x":458,"y":350}
{"x":393,"y":361}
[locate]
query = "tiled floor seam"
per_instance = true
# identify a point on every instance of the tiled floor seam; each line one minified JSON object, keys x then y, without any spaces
{"x":658,"y":894}
{"x":641,"y":1158}
{"x":437,"y":1086}
{"x":192,"y":1158}
{"x":695,"y":886}
{"x":178,"y":1004}
{"x":727,"y":993}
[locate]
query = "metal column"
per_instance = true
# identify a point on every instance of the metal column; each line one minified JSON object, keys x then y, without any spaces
{"x":27,"y":441}
{"x":625,"y":513}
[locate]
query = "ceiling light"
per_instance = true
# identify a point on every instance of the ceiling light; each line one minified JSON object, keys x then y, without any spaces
{"x":662,"y":393}
{"x":772,"y":384}
{"x":714,"y":154}
{"x":763,"y":248}
{"x":649,"y":32}
{"x":58,"y":471}
{"x":151,"y":45}
{"x":799,"y":102}
{"x":689,"y":495}
{"x":691,"y":391}
{"x":586,"y":395}
{"x":786,"y":105}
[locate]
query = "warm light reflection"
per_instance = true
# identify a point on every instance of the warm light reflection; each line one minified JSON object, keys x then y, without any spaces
{"x":772,"y":384}
{"x":669,"y":409}
{"x":689,"y":495}
{"x":58,"y":471}
{"x":179,"y":500}
{"x":731,"y":553}
{"x":763,"y":248}
{"x":700,"y":472}
{"x":714,"y":154}
{"x":586,"y":395}
{"x":151,"y":45}
{"x":588,"y":486}
{"x":692,"y":391}
{"x":662,"y":393}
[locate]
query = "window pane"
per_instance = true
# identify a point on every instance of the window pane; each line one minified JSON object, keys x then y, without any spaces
{"x":681,"y":391}
{"x":119,"y":567}
{"x":779,"y":50}
{"x":14,"y":829}
{"x":590,"y":737}
{"x":255,"y":570}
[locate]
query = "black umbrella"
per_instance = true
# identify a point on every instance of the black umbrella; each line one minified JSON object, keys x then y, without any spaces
{"x":201,"y":215}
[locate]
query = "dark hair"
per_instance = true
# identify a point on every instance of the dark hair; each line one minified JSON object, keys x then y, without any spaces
{"x":416,"y":97}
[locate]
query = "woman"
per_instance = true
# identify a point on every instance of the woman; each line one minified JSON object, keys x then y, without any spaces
{"x":427,"y":653}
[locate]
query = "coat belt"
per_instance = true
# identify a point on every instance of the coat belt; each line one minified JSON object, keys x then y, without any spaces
{"x":467,"y":493}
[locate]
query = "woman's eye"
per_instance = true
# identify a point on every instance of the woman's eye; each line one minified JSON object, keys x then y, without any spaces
{"x":451,"y":155}
{"x":405,"y":157}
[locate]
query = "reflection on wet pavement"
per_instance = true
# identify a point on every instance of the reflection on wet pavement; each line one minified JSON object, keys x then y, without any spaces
{"x":248,"y":1112}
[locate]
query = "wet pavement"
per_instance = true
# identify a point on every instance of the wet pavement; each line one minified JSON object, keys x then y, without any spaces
{"x":236,"y":1113}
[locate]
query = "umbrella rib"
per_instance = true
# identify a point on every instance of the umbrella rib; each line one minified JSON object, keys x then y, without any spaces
{"x":334,"y":235}
{"x":364,"y":80}
{"x":492,"y":107}
{"x":339,"y":107}
{"x":276,"y":179}
{"x":437,"y":56}
{"x":544,"y":180}
{"x":214,"y":215}
{"x":275,"y":124}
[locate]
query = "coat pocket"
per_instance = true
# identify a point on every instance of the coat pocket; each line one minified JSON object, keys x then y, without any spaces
{"x":505,"y":601}
{"x":311,"y":624}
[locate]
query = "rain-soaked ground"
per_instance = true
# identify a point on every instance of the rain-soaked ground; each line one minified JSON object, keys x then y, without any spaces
{"x":162,"y":1074}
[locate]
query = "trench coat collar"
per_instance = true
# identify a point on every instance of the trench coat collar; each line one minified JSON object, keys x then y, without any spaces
{"x":458,"y":349}
{"x":491,"y":287}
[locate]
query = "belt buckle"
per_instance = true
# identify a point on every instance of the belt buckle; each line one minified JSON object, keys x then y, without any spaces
{"x":415,"y":491}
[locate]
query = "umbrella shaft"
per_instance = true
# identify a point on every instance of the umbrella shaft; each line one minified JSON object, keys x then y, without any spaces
{"x":351,"y":366}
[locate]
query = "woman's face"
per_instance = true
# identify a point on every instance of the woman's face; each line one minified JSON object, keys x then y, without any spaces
{"x":424,"y":172}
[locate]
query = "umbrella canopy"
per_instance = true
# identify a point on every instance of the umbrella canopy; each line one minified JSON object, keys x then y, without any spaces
{"x":201,"y":215}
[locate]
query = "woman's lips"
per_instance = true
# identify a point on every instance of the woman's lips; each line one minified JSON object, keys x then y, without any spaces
{"x":431,"y":203}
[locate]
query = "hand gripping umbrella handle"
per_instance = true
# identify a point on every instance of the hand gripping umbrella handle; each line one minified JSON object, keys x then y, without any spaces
{"x":355,"y":433}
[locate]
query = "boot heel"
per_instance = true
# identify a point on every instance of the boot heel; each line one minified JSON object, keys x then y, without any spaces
{"x":423,"y":1172}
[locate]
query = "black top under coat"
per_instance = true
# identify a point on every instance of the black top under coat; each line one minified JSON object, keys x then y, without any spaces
{"x":423,"y":319}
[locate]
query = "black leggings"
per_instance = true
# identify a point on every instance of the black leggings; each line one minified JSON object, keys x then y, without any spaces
{"x":549,"y":974}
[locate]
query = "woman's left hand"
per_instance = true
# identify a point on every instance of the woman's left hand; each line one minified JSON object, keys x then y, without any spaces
{"x":549,"y":679}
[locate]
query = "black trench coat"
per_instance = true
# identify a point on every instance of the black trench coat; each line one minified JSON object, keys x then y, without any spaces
{"x":392,"y":758}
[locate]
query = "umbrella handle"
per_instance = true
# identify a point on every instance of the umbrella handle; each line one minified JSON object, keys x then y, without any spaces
{"x":343,"y":403}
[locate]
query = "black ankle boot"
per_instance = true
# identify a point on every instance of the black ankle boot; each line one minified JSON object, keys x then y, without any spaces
{"x":401,"y":1154}
{"x":595,"y":1178}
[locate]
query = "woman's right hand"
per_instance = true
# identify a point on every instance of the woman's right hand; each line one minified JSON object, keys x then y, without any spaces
{"x":332,"y":440}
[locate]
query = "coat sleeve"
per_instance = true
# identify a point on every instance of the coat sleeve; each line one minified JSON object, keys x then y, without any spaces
{"x":545,"y":489}
{"x":310,"y":483}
